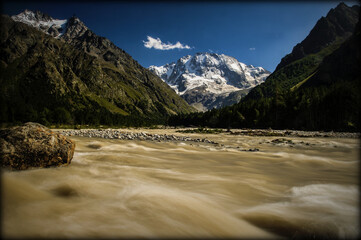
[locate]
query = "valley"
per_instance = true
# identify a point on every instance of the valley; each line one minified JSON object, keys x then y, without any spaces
{"x":174,"y":136}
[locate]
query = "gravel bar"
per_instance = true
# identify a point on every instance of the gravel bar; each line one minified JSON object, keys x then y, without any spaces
{"x":142,"y":136}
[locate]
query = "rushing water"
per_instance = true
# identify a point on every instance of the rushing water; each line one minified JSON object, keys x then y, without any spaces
{"x":116,"y":188}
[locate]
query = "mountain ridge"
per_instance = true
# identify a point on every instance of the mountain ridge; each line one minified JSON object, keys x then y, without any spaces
{"x":42,"y":21}
{"x":339,"y":22}
{"x":297,"y":66}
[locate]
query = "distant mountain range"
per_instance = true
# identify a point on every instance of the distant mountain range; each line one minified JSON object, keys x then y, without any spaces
{"x":315,"y":87}
{"x":210,"y":80}
{"x":59,"y":71}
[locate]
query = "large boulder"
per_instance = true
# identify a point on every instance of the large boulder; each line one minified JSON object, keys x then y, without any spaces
{"x":33,"y":145}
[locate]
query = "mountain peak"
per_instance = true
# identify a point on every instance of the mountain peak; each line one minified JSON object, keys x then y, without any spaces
{"x":75,"y":20}
{"x":34,"y":16}
{"x":341,"y":4}
{"x":67,"y":29}
{"x":74,"y":28}
{"x":42,"y":21}
{"x":207,"y":78}
{"x":214,"y":68}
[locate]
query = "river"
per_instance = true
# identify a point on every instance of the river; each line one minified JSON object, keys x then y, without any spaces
{"x":304,"y":187}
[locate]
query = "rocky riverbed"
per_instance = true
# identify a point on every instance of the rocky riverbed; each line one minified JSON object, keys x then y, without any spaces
{"x":293,"y":133}
{"x":144,"y":136}
{"x":287,"y":138}
{"x":122,"y":135}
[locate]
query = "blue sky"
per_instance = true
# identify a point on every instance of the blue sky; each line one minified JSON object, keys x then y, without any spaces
{"x":258,"y":33}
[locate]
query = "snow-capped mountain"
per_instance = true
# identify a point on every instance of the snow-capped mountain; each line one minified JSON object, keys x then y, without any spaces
{"x":209,"y":74}
{"x":66,"y":29}
{"x":43,"y":22}
{"x":74,"y":32}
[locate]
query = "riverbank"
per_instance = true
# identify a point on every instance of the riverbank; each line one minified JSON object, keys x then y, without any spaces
{"x":125,"y":135}
{"x":143,"y":134}
{"x":219,"y":139}
{"x":294,"y":133}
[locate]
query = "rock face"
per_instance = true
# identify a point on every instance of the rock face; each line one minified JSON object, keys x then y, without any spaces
{"x":33,"y":145}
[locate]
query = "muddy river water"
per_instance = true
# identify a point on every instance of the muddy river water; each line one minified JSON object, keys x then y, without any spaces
{"x":305,"y":187}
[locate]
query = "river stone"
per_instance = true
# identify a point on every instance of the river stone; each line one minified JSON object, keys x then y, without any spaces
{"x":33,"y":145}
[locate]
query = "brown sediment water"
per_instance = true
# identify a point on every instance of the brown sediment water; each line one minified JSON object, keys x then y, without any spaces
{"x":116,"y":188}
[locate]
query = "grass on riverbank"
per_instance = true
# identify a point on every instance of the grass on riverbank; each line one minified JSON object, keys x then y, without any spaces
{"x":77,"y":126}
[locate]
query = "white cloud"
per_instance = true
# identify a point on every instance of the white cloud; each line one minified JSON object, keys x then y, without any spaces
{"x":156,"y":43}
{"x":252,"y":49}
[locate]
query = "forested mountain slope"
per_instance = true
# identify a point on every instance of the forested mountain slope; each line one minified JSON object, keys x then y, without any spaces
{"x":68,"y":80}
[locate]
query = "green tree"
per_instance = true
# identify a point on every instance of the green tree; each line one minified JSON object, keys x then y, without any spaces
{"x":63,"y":116}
